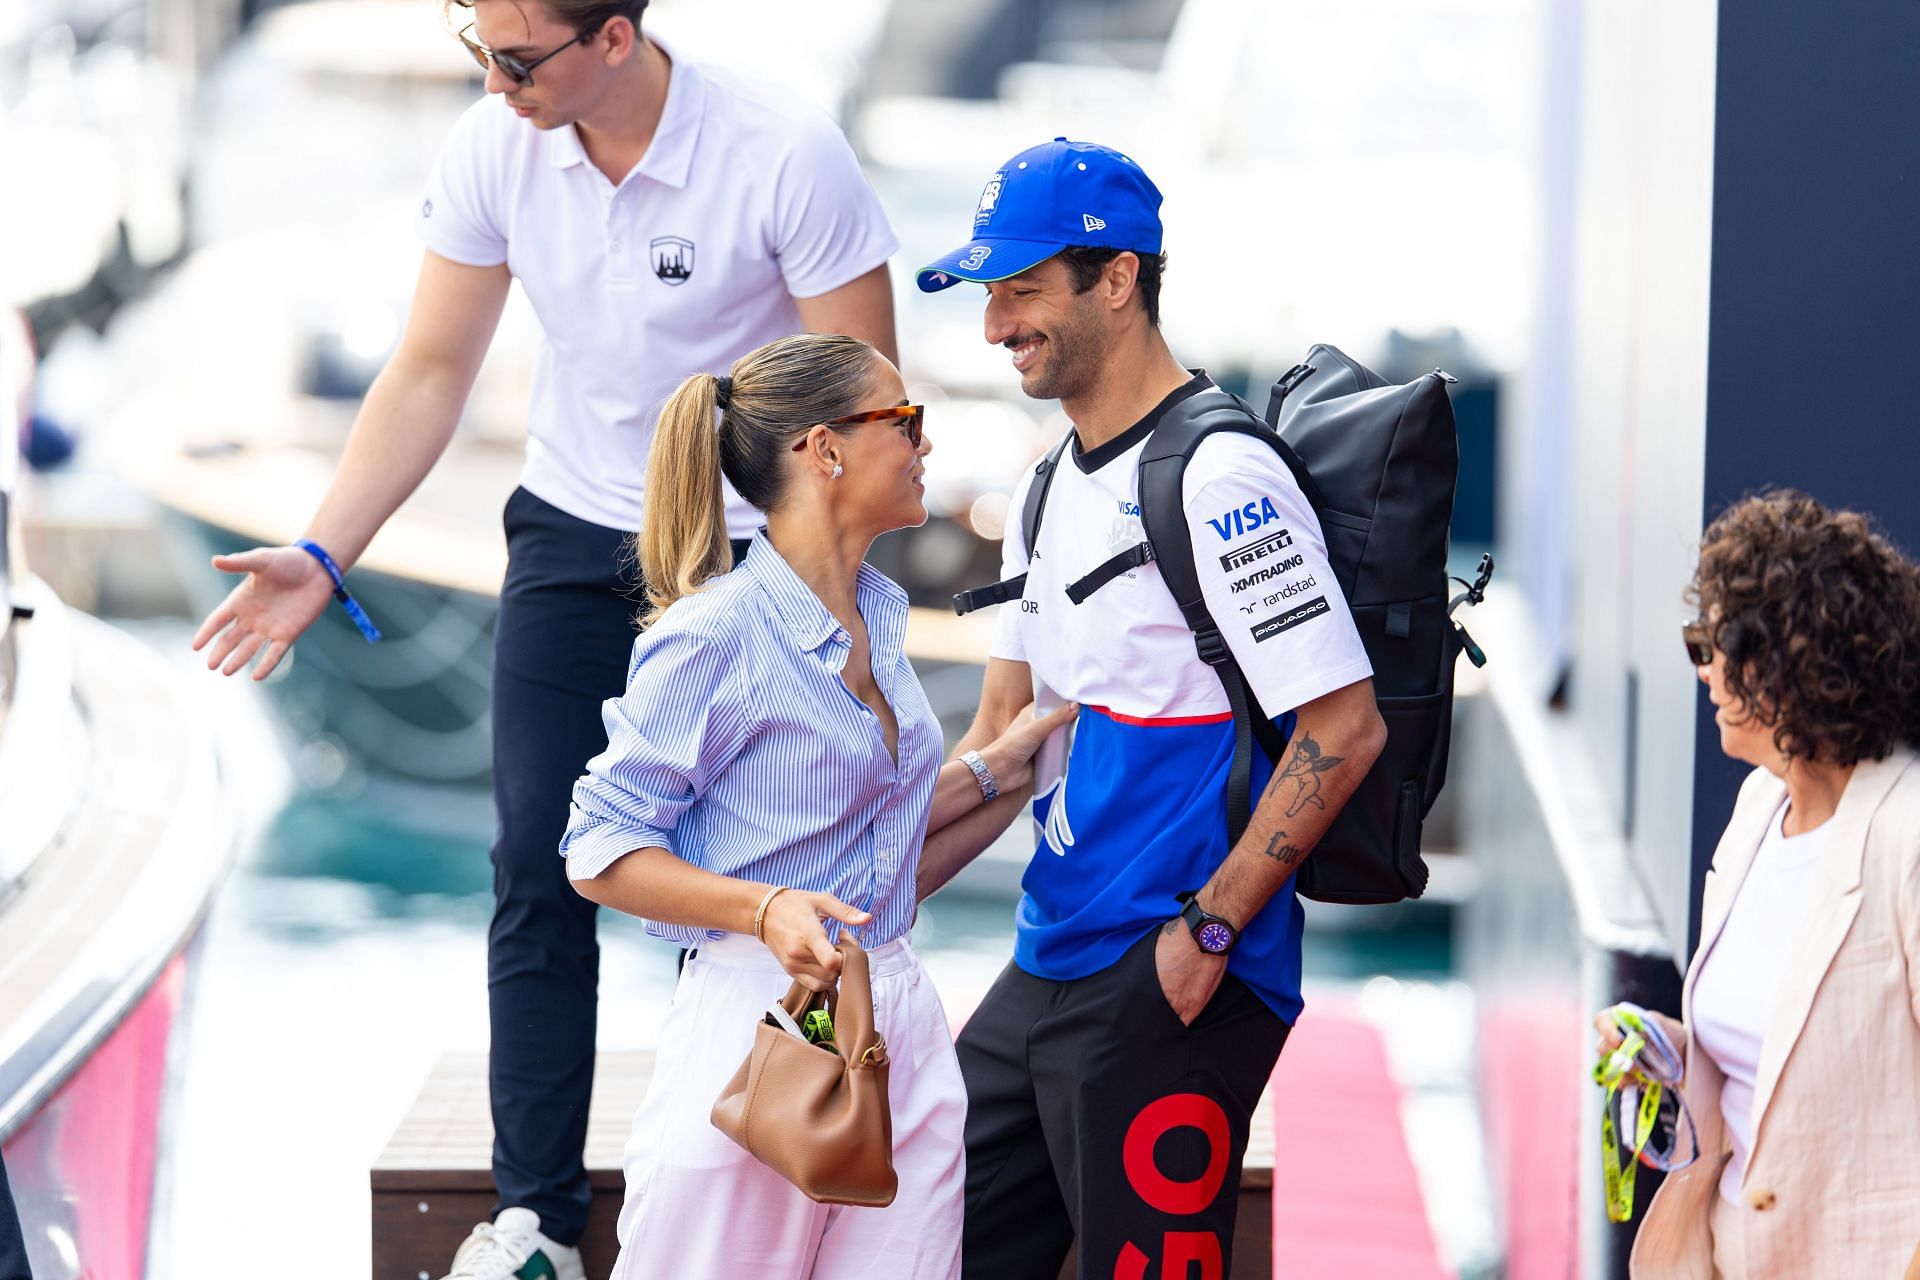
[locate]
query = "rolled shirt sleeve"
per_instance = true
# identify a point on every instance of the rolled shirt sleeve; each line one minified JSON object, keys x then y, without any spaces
{"x":685,"y":715}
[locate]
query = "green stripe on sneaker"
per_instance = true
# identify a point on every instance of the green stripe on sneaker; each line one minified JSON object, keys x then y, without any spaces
{"x":537,"y":1268}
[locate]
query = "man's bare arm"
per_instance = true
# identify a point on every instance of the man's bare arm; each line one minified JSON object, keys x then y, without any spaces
{"x":861,"y":308}
{"x":412,"y":408}
{"x":1336,"y":739}
{"x":401,"y":431}
{"x":1004,"y":694}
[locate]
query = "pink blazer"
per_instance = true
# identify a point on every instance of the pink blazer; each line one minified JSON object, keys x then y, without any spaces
{"x":1833,"y":1185}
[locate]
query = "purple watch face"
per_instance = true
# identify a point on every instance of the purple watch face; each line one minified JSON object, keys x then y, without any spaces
{"x":1214,"y":937}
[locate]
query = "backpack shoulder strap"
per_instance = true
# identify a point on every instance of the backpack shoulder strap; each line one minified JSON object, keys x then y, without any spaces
{"x":1011,"y":588}
{"x":1163,"y":467}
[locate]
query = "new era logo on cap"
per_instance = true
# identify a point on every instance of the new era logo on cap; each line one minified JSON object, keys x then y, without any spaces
{"x":1093,"y":223}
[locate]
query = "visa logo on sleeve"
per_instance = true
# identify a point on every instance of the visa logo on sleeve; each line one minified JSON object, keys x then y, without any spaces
{"x":1245,"y":519}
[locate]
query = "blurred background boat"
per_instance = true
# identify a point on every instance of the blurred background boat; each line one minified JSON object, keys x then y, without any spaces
{"x":118,"y":830}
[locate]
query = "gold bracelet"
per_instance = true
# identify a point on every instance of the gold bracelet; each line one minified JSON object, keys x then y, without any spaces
{"x":760,"y":916}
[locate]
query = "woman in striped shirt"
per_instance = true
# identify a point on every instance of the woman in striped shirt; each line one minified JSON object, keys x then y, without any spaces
{"x":773,"y":776}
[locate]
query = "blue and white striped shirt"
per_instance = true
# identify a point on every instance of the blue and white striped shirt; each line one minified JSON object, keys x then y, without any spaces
{"x":738,"y":747}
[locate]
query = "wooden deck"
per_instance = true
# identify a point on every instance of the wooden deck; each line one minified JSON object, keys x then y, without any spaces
{"x":434,"y":1180}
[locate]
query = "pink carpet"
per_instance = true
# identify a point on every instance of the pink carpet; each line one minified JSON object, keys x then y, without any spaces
{"x":1346,"y":1202}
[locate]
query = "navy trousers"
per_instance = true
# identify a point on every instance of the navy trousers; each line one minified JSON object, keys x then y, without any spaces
{"x":561,"y":646}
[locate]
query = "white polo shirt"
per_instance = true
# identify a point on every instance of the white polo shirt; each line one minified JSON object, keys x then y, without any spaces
{"x":747,"y":198}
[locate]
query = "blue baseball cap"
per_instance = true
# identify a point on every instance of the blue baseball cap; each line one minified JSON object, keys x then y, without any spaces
{"x":1046,"y":199}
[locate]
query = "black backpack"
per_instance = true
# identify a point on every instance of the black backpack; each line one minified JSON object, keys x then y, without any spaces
{"x":1378,"y":463}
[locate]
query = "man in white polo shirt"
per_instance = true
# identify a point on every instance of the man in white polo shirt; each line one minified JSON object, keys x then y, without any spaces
{"x":664,"y":218}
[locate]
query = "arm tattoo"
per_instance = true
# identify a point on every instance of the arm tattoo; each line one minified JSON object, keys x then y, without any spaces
{"x":1303,"y":772}
{"x":1287,"y":855}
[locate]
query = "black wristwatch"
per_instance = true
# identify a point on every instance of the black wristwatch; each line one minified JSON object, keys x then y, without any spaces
{"x":1211,"y":934}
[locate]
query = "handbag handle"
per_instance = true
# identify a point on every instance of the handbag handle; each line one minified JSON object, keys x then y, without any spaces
{"x":850,"y":1003}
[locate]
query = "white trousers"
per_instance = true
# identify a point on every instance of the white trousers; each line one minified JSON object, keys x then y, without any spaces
{"x":698,"y":1207}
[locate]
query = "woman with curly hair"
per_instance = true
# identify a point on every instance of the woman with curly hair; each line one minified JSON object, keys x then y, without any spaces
{"x":1801,"y":1009}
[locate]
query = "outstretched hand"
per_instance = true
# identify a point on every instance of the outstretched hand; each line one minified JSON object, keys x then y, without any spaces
{"x":283,"y":591}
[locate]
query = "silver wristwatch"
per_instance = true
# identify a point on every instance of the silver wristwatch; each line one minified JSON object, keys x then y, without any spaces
{"x":989,"y":789}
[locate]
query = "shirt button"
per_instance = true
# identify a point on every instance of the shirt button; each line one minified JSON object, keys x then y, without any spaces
{"x":1760,"y":1198}
{"x":617,"y":246}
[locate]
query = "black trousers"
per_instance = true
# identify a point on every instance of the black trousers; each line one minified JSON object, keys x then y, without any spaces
{"x":1093,"y":1113}
{"x":561,"y":645}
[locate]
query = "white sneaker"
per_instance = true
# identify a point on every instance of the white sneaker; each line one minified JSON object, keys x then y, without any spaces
{"x":512,"y":1248}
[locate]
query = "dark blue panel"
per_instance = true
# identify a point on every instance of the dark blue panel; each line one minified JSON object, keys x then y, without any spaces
{"x":1815,"y":319}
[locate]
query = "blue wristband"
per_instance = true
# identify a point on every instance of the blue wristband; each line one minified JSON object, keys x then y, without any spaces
{"x":340,"y":593}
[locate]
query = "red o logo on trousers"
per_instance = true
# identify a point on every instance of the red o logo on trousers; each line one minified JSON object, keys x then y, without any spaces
{"x":1160,"y":1117}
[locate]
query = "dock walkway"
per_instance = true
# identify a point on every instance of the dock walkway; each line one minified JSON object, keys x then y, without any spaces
{"x":1349,"y":1205}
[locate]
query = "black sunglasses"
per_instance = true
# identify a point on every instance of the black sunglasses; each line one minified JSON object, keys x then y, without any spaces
{"x":513,"y":68}
{"x":911,"y":421}
{"x":1699,"y":641}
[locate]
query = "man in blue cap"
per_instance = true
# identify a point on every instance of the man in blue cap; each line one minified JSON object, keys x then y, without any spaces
{"x":1113,"y":1069}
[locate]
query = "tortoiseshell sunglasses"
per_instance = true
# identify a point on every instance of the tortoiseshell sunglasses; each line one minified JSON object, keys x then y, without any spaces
{"x":910,"y":419}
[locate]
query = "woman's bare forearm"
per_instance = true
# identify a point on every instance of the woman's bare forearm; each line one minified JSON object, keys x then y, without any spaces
{"x":949,"y":849}
{"x":659,"y":885}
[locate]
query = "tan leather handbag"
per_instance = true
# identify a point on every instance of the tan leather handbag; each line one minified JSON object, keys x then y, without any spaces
{"x":817,"y":1114}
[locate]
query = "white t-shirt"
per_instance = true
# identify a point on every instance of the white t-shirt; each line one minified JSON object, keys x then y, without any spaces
{"x":746,"y":199}
{"x":1262,"y":562}
{"x":1734,"y":994}
{"x":1140,"y":814}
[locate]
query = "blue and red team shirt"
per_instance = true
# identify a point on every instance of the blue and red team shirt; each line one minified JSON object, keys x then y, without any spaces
{"x":1140,"y":813}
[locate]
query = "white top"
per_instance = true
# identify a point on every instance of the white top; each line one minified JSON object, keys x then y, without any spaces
{"x":1263,"y":570}
{"x":1733,"y":996}
{"x":1139,"y":815}
{"x":746,"y":199}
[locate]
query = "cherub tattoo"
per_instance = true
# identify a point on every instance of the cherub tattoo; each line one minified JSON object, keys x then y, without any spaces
{"x":1304,"y":771}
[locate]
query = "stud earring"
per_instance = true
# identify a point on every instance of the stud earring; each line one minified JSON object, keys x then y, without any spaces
{"x":838,"y":471}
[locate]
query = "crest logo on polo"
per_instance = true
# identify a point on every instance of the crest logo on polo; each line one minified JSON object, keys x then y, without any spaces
{"x":672,"y":259}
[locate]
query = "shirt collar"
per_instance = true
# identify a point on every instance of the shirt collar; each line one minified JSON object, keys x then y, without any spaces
{"x":882,"y":603}
{"x":1091,"y":460}
{"x":669,"y":157}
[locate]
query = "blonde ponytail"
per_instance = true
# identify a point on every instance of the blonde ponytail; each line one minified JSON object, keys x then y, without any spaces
{"x":683,"y":537}
{"x":774,"y":395}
